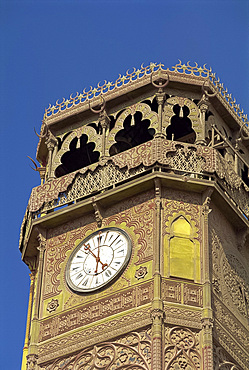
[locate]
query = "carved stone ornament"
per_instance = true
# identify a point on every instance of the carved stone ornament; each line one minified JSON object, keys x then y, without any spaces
{"x":52,"y":305}
{"x":235,"y":277}
{"x":141,"y":272}
{"x":31,"y":362}
{"x":157,"y":314}
{"x":216,"y":285}
{"x":132,"y":351}
{"x":182,"y":349}
{"x":221,"y":360}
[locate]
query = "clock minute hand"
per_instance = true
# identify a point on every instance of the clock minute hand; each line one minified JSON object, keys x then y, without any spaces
{"x":98,"y":259}
{"x":87,"y":248}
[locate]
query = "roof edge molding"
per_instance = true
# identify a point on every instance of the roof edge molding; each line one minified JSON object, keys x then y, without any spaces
{"x":138,"y":77}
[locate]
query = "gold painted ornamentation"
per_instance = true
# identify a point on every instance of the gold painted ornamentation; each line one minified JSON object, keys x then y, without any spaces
{"x":52,"y":305}
{"x":141,"y":272}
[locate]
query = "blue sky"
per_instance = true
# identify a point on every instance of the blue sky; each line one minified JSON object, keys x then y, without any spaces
{"x":50,"y":49}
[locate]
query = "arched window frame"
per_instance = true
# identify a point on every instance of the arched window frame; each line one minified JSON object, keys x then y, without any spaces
{"x":192,"y":237}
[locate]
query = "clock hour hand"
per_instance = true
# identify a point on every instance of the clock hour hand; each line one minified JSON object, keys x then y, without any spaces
{"x":87,"y":248}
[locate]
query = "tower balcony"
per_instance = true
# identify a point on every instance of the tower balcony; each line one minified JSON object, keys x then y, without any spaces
{"x":181,"y":165}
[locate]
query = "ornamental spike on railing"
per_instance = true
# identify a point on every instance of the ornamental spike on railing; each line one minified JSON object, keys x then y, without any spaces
{"x":137,"y":74}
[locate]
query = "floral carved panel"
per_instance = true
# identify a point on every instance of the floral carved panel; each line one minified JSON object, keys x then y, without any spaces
{"x":101,"y":332}
{"x":137,"y":213}
{"x":132,"y":351}
{"x":230,"y":275}
{"x":60,"y":241}
{"x":182,"y":349}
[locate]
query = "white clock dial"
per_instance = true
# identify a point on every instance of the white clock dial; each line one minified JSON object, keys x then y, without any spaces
{"x":98,"y":259}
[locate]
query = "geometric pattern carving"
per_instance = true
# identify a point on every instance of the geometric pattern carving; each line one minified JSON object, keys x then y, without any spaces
{"x":182,"y":316}
{"x":179,"y":292}
{"x":113,"y":304}
{"x":188,"y":161}
{"x":192,"y":295}
{"x":171,"y":291}
{"x":182,"y":349}
{"x":105,"y":331}
{"x":132,"y":351}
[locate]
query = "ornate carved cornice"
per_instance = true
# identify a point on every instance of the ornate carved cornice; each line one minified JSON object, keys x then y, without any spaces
{"x":140,"y":77}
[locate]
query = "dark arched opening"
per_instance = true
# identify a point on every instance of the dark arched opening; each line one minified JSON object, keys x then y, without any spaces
{"x":77,"y":157}
{"x":180,"y":128}
{"x":135,"y":132}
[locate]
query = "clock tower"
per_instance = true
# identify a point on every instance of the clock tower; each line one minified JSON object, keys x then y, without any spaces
{"x":137,"y":237}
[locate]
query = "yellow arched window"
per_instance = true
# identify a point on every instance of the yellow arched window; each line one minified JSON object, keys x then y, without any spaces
{"x":184,"y":253}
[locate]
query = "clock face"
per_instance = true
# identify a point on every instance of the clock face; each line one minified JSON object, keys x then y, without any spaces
{"x":98,"y":259}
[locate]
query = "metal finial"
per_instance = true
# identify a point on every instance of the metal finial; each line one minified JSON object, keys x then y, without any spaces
{"x":205,"y":92}
{"x":102,"y":106}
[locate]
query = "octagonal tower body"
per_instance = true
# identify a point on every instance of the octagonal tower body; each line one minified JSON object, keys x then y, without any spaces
{"x":159,"y":157}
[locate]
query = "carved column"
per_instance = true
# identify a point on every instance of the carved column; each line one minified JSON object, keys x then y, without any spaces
{"x":51,"y":143}
{"x":104,"y":122}
{"x":26,"y":340}
{"x":207,"y":314}
{"x":160,"y":83}
{"x":203,"y":108}
{"x":160,"y":97}
{"x":207,"y":335}
{"x":34,"y":332}
{"x":157,"y":304}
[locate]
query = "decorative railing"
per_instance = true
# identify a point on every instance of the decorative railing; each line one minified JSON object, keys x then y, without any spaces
{"x":155,"y":155}
{"x":138,"y":75}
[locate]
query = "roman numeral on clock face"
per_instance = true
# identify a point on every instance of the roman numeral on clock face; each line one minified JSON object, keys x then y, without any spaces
{"x":108,"y":273}
{"x":85,"y":282}
{"x":79,"y":276}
